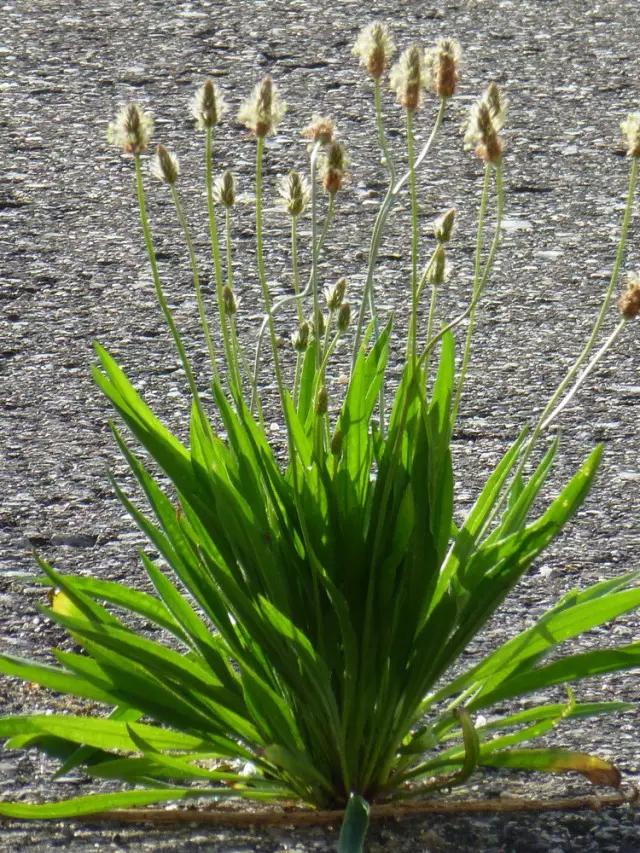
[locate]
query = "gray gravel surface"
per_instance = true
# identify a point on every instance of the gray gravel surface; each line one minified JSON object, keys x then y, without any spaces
{"x":72,"y":269}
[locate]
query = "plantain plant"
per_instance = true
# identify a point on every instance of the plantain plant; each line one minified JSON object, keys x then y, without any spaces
{"x":312,"y":609}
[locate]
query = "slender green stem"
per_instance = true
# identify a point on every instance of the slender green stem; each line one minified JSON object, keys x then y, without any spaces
{"x":228,"y":246}
{"x":196,"y":278}
{"x":296,"y":379}
{"x":314,"y":254}
{"x":432,"y":310}
{"x":234,"y":346}
{"x":264,"y":287}
{"x":382,"y":141}
{"x":481,"y":274}
{"x":168,"y":316}
{"x":552,"y":409}
{"x":595,"y":359}
{"x":615,"y":274}
{"x":285,"y":300}
{"x":413,"y":192}
{"x":378,"y":227}
{"x":215,"y":243}
{"x":294,"y":267}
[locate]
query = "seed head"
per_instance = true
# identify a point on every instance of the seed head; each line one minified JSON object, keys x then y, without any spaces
{"x":208,"y":106}
{"x":320,"y":129}
{"x":164,"y":166}
{"x":333,"y":167}
{"x":443,"y":62}
{"x":486,"y":120}
{"x":224,"y":190}
{"x":295,"y":192}
{"x":344,"y":317}
{"x":437,"y":273}
{"x":408,"y":77}
{"x":443,"y":226}
{"x":322,"y":401}
{"x":131,"y":129}
{"x":375,"y":48}
{"x":229,"y":301}
{"x":336,"y":442}
{"x":262,"y":111}
{"x":629,"y":302}
{"x":334,"y":295}
{"x":631,"y":132}
{"x":300,"y":339}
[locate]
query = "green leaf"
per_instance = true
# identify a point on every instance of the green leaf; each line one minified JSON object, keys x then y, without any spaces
{"x":97,"y":803}
{"x":54,"y":678}
{"x":565,"y":670}
{"x":466,"y":541}
{"x":354,"y":825}
{"x":103,"y":734}
{"x":522,"y":497}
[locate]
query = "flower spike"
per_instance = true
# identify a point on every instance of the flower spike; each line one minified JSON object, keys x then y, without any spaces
{"x":263,"y":110}
{"x":208,"y":106}
{"x":131,"y":130}
{"x":375,"y":48}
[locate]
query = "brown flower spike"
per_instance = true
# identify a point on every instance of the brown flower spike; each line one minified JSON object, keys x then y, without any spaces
{"x":485,"y":123}
{"x":443,"y":62}
{"x":334,"y":168}
{"x":409,"y":76}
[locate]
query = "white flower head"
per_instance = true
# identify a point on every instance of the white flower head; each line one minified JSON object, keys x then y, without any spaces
{"x":131,"y":129}
{"x":409,"y":76}
{"x":263,"y":110}
{"x":165,"y":166}
{"x":630,"y":128}
{"x":294,"y":192}
{"x":486,"y":120}
{"x":375,"y":48}
{"x":208,"y":106}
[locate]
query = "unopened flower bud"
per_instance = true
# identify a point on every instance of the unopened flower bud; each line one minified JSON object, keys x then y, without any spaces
{"x":336,"y":442}
{"x":300,"y":339}
{"x":333,"y":168}
{"x":631,"y":131}
{"x":295,"y":193}
{"x":164,"y":166}
{"x":443,"y":226}
{"x":229,"y":301}
{"x":344,"y":317}
{"x":409,"y":76}
{"x":262,"y":111}
{"x":321,"y":129}
{"x":208,"y":106}
{"x":131,"y":129}
{"x":375,"y":48}
{"x":322,"y":325}
{"x":443,"y":61}
{"x":334,"y":295}
{"x":437,"y":272}
{"x":629,"y":302}
{"x":322,"y":401}
{"x":224,"y":191}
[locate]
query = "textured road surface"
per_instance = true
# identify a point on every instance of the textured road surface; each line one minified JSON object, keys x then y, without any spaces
{"x":72,"y":270}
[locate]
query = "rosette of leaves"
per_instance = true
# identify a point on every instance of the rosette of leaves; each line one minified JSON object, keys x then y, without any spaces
{"x":308,"y":617}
